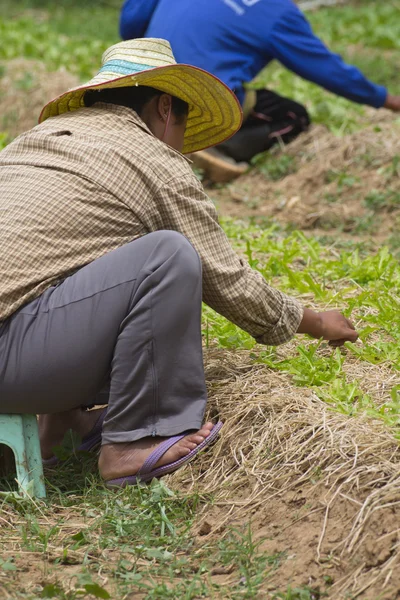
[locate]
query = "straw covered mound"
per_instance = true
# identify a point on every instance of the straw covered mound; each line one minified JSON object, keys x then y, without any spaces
{"x":332,"y":176}
{"x":321,"y":487}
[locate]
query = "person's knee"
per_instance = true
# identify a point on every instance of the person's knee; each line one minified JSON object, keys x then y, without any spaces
{"x":177,"y":249}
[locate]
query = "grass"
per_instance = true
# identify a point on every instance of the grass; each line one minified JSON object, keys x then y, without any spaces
{"x":70,"y":34}
{"x":274,"y":164}
{"x":89,"y":542}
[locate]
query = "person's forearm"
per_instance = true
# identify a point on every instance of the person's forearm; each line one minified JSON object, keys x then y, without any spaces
{"x":135,"y":18}
{"x":230,"y":286}
{"x":311,"y":323}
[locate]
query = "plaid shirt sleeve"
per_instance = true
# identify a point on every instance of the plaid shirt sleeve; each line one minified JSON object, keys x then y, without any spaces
{"x":230,"y":286}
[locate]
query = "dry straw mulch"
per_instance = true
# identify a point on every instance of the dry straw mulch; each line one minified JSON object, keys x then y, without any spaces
{"x":318,"y":485}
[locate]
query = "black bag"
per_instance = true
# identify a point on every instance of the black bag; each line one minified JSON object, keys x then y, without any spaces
{"x":273,"y":117}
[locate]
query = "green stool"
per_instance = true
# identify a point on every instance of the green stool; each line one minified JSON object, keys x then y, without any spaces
{"x":20,"y":433}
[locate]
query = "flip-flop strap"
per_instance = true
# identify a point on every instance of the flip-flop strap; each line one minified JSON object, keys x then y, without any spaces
{"x":155,"y":456}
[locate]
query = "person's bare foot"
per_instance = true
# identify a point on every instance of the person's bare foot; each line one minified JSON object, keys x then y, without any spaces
{"x":53,"y":427}
{"x":218,"y":167}
{"x":122,"y":460}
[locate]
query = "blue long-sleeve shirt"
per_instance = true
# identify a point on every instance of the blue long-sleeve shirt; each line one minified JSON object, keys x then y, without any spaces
{"x":235,"y":39}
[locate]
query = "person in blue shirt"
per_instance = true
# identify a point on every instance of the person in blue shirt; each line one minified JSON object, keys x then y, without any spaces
{"x":235,"y":40}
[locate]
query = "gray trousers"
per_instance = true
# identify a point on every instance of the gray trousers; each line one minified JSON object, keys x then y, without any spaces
{"x":131,"y":322}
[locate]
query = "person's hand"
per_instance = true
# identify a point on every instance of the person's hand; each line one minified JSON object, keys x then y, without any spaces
{"x":330,"y":325}
{"x":392,"y":103}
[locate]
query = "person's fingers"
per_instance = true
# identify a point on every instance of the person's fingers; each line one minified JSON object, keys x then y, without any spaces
{"x":352,"y":335}
{"x":337,"y":343}
{"x":348,"y":336}
{"x":350,"y":324}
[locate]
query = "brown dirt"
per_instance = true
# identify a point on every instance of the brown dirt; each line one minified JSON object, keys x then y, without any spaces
{"x":25,"y":87}
{"x":333,"y":176}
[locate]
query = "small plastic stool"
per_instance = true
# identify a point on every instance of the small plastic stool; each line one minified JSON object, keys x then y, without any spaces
{"x":20,"y":433}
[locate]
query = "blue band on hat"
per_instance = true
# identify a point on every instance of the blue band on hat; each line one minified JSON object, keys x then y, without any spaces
{"x":124,"y":67}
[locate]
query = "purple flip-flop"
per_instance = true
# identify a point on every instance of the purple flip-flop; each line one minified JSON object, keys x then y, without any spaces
{"x":89,"y":442}
{"x":147,"y":472}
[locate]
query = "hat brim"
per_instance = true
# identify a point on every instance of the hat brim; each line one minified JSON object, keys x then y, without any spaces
{"x":214,"y":115}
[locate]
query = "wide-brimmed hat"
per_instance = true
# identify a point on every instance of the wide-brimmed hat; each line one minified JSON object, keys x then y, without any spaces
{"x":214,"y":111}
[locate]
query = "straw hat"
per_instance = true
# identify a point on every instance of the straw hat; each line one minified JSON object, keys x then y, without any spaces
{"x":214,"y":111}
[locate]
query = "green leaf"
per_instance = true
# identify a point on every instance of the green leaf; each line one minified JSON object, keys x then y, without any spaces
{"x":159,"y":554}
{"x":96,"y":590}
{"x":51,"y":590}
{"x":8,"y":565}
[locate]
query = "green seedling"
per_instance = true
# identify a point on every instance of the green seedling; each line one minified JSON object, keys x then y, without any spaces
{"x":342,"y":179}
{"x":274,"y":166}
{"x":304,"y":593}
{"x":241,"y":551}
{"x":379,"y":200}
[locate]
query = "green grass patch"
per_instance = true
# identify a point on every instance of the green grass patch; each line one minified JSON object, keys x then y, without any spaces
{"x":364,"y":285}
{"x":144,"y":531}
{"x":275,"y":164}
{"x":71,"y":34}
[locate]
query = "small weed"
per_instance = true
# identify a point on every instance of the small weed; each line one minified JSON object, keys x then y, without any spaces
{"x":304,"y":593}
{"x":4,"y":140}
{"x":331,"y":198}
{"x":368,"y":159}
{"x":36,"y":537}
{"x":394,"y":242}
{"x":393,"y":170}
{"x":274,"y":165}
{"x":385,"y":199}
{"x":84,"y":587}
{"x":242,"y":552}
{"x":198,"y":172}
{"x":26,"y":82}
{"x":253,"y":202}
{"x":308,"y":369}
{"x":342,"y":178}
{"x":8,"y":565}
{"x":365,"y":223}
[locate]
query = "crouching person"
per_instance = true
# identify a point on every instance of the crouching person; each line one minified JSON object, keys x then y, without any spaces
{"x":109,"y":244}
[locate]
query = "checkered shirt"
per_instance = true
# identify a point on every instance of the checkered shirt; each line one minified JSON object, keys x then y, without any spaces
{"x":87,"y":182}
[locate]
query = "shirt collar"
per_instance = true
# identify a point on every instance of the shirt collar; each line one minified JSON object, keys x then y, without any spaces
{"x":132,"y":117}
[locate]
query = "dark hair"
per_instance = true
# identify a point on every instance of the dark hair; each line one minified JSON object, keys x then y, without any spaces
{"x":135,"y":97}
